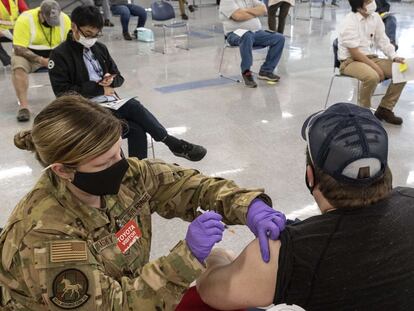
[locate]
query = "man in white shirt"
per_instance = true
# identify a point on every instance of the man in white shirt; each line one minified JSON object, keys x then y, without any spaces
{"x":242,"y":28}
{"x":361,"y":32}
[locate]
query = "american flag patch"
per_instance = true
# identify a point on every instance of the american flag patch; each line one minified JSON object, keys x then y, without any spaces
{"x":62,"y":251}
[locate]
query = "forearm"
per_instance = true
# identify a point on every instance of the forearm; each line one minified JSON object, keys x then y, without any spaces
{"x":360,"y":57}
{"x":26,"y":53}
{"x":257,"y":11}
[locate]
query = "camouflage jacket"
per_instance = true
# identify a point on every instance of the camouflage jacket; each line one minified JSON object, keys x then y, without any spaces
{"x":58,"y":253}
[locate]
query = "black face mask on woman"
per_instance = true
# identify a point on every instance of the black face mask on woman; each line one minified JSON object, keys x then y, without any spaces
{"x":107,"y":181}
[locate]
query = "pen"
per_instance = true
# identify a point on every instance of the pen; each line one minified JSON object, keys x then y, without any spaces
{"x":199,"y":209}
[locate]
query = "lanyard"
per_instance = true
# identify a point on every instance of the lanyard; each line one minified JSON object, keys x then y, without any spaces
{"x":92,"y":60}
{"x":50,"y":35}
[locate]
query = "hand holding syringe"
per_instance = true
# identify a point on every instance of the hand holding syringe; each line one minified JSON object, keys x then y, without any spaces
{"x":199,"y":209}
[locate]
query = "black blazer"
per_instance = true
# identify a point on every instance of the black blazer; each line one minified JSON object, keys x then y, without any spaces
{"x":68,"y":72}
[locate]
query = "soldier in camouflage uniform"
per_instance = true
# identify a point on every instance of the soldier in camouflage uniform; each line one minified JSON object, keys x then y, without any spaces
{"x":59,"y":253}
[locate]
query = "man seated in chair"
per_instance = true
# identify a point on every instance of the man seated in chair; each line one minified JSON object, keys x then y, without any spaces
{"x":36,"y":33}
{"x":83,"y":65}
{"x":243,"y":28}
{"x":361,"y":32}
{"x":357,"y":255}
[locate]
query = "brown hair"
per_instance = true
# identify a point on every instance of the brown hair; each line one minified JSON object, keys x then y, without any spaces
{"x":70,"y":130}
{"x":344,"y":195}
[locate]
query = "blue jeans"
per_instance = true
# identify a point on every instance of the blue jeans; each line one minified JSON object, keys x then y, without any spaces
{"x":125,"y":11}
{"x":390,"y":27}
{"x":260,"y":38}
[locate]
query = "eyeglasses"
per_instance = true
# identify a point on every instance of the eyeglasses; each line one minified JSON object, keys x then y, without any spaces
{"x":98,"y":35}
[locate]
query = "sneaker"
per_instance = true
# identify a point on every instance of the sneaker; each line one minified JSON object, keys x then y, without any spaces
{"x":190,"y":151}
{"x":108,"y":23}
{"x":23,"y":115}
{"x":184,"y":17}
{"x":388,"y":116}
{"x":248,"y":79}
{"x":269,"y":76}
{"x":127,"y":36}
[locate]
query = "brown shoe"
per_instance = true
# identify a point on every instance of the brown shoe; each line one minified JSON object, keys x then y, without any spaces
{"x":388,"y":116}
{"x":127,"y":36}
{"x":23,"y":115}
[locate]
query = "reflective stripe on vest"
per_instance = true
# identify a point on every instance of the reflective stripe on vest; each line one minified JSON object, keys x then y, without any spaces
{"x":7,"y":19}
{"x":33,"y":32}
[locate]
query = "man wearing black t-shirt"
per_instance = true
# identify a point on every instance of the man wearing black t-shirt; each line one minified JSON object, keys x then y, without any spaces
{"x":357,"y":255}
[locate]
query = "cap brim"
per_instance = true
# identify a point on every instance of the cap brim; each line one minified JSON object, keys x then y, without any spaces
{"x":305,"y":124}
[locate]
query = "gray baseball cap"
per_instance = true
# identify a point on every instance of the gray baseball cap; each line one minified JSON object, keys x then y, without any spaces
{"x":50,"y":10}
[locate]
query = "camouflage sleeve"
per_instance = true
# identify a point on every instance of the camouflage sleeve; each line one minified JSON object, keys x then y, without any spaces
{"x":177,"y":192}
{"x":64,"y":274}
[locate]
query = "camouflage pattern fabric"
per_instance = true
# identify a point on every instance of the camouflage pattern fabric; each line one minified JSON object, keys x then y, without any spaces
{"x":59,"y":254}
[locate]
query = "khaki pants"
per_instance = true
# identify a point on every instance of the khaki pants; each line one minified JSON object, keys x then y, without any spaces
{"x":23,"y":63}
{"x":369,"y":79}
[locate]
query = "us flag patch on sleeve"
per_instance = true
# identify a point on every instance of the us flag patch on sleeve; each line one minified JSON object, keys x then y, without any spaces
{"x":62,"y":251}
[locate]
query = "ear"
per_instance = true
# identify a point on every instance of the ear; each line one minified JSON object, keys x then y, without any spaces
{"x":310,"y":176}
{"x":73,"y":26}
{"x":62,"y":171}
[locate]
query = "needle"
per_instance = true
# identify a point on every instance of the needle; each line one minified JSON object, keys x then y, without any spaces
{"x":199,"y":209}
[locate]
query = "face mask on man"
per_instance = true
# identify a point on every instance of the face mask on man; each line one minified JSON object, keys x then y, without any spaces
{"x":371,"y":8}
{"x":87,"y":42}
{"x":107,"y":181}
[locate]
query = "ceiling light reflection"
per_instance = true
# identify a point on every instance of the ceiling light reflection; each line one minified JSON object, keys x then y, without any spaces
{"x":15,"y":171}
{"x":286,"y":115}
{"x":178,"y":130}
{"x":410,"y":179}
{"x":227,"y":172}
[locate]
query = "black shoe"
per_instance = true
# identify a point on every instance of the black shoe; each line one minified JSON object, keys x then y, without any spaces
{"x":127,"y":36}
{"x":190,"y":151}
{"x":184,"y":17}
{"x":108,"y":23}
{"x":191,"y":8}
{"x":388,"y":116}
{"x":269,"y":76}
{"x":23,"y":115}
{"x":248,"y":79}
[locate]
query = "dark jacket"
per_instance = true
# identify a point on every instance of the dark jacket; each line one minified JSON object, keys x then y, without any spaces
{"x":68,"y":72}
{"x":382,"y":6}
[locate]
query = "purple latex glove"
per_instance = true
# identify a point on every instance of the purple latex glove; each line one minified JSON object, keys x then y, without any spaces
{"x":205,"y":231}
{"x":265,"y":223}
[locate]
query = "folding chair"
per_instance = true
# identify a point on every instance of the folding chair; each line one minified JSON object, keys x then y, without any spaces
{"x":228,"y":46}
{"x":337,"y":64}
{"x":163,"y":11}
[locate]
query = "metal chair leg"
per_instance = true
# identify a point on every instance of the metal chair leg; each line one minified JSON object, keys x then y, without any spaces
{"x":221,"y":63}
{"x":329,"y":91}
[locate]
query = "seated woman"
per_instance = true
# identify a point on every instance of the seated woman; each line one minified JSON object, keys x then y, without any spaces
{"x":82,"y":65}
{"x":125,"y":10}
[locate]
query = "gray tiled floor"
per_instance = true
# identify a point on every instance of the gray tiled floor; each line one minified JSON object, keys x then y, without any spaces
{"x":252,"y":135}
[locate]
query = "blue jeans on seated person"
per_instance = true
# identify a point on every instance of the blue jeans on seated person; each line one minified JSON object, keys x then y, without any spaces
{"x":390,"y":24}
{"x":275,"y":42}
{"x":125,"y":11}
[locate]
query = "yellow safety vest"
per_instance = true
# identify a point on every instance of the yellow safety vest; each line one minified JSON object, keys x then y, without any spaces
{"x":30,"y":33}
{"x":7,"y":19}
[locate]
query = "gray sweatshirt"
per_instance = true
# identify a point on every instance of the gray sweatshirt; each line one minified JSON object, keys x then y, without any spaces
{"x":118,"y":2}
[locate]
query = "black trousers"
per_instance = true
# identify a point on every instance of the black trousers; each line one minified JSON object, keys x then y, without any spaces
{"x":271,"y":16}
{"x":140,"y":121}
{"x":4,"y":57}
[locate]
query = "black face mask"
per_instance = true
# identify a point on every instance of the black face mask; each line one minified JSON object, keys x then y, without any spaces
{"x":107,"y":181}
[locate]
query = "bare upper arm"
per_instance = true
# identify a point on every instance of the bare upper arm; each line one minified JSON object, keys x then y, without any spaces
{"x":246,"y":282}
